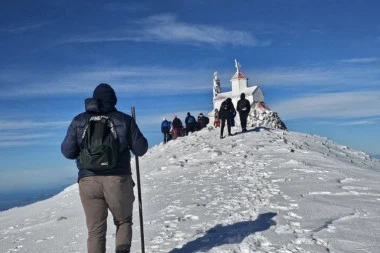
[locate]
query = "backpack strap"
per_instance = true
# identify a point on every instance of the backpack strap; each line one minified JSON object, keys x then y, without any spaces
{"x":93,"y":118}
{"x":111,"y":124}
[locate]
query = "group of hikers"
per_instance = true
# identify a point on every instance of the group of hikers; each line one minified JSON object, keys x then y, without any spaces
{"x":175,"y":129}
{"x":226,"y":113}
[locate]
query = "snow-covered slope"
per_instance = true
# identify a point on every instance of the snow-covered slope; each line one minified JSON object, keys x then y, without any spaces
{"x":262,"y":191}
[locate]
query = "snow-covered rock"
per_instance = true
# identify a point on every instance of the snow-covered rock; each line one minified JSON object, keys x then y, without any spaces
{"x":261,"y":116}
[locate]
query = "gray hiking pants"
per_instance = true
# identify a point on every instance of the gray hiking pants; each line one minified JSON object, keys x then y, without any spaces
{"x":100,"y":193}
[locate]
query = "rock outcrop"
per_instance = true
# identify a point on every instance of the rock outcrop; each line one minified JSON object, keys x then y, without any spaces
{"x":262,"y":116}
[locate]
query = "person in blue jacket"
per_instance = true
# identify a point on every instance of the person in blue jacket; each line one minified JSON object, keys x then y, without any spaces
{"x":110,"y":189}
{"x":191,"y":123}
{"x":165,"y":129}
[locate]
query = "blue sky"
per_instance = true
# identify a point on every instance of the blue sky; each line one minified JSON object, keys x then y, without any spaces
{"x":317,"y":63}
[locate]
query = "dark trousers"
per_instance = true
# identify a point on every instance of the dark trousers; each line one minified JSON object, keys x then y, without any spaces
{"x":223,"y":124}
{"x":243,"y":120}
{"x":191,"y":127}
{"x":166,"y":137}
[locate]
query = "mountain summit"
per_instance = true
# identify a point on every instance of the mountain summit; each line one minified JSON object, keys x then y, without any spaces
{"x":262,"y":191}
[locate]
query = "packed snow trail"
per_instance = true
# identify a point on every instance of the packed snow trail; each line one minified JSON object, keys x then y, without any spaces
{"x":211,"y":185}
{"x":262,"y":191}
{"x":221,"y":183}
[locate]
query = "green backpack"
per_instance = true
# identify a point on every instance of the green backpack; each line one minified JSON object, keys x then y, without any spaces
{"x":100,"y":145}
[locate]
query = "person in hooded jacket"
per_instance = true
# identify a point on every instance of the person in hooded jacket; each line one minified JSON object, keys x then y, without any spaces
{"x":226,"y":112}
{"x":243,"y":107}
{"x":110,"y":189}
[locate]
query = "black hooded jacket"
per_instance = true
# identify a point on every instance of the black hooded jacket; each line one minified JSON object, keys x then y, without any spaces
{"x":243,"y":105}
{"x":130,"y":137}
{"x":229,"y":112}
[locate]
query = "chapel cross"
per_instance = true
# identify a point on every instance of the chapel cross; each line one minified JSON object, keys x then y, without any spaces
{"x":237,"y":65}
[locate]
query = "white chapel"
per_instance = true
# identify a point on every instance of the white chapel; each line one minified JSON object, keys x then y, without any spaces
{"x":239,"y":83}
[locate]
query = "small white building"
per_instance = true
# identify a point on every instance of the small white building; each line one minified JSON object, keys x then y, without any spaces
{"x":239,"y":83}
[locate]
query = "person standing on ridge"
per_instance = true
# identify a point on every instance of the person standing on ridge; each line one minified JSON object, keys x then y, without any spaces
{"x":177,"y":127}
{"x":203,"y":121}
{"x":165,"y":129}
{"x":191,"y":123}
{"x":111,"y":188}
{"x":243,"y":107}
{"x":226,"y":111}
{"x":216,"y":118}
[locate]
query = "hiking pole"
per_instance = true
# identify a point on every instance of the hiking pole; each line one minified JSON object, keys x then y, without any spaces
{"x":139,"y":194}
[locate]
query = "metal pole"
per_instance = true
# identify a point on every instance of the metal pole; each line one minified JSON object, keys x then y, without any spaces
{"x":139,"y":194}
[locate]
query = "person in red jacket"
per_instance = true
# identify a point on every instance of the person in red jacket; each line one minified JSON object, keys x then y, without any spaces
{"x":216,"y":118}
{"x":177,"y":127}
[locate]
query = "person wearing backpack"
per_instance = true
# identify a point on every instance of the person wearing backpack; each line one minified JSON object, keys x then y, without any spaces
{"x":191,"y":123}
{"x":165,"y":129}
{"x":106,"y":184}
{"x":243,"y":107}
{"x":203,"y":121}
{"x":226,"y":112}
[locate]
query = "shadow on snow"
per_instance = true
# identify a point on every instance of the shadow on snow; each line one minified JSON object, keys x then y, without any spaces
{"x":256,"y":129}
{"x":229,"y":234}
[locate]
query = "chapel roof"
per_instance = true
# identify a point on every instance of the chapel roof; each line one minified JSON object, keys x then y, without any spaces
{"x":239,"y":75}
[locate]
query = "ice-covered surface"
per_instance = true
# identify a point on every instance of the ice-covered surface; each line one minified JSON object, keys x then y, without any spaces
{"x":261,"y":191}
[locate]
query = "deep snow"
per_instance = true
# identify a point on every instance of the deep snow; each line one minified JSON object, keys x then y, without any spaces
{"x":261,"y":191}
